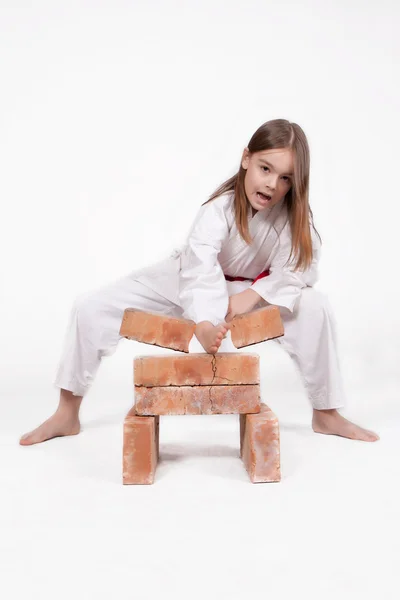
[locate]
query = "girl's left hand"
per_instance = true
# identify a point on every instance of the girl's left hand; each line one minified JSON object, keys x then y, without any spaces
{"x":242,"y":302}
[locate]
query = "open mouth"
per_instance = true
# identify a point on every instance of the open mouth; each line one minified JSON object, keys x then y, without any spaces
{"x":264,"y":197}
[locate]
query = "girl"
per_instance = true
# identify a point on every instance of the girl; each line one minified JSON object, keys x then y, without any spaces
{"x":252,"y":243}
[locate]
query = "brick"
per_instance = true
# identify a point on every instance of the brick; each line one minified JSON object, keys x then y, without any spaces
{"x":156,"y":329}
{"x":197,"y":400}
{"x":259,"y":445}
{"x":256,"y":326}
{"x":224,"y":368}
{"x":140,"y":448}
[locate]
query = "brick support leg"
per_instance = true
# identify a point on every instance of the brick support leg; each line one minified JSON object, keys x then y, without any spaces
{"x":259,"y":445}
{"x":140,"y":448}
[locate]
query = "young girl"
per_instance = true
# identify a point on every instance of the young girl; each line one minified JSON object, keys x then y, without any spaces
{"x":252,"y":243}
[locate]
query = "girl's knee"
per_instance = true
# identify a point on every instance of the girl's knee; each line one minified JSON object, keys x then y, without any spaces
{"x":314,"y":301}
{"x":83,"y":301}
{"x":87,"y":307}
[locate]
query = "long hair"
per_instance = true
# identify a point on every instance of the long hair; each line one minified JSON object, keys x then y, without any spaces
{"x":279,"y":133}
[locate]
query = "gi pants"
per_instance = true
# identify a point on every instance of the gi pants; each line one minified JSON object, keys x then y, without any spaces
{"x":95,"y":320}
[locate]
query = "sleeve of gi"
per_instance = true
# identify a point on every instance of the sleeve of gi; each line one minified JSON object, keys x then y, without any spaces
{"x":283,"y":285}
{"x":203,"y":293}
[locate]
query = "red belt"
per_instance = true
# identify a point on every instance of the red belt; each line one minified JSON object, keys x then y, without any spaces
{"x":260,"y":276}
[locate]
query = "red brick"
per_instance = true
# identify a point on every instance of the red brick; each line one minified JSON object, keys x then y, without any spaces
{"x":140,"y":448}
{"x":260,"y":445}
{"x":156,"y":329}
{"x":256,"y":326}
{"x":224,"y":368}
{"x":197,"y":400}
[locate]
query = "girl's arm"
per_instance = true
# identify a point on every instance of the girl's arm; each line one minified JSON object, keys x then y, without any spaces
{"x":203,"y":293}
{"x":283,"y":285}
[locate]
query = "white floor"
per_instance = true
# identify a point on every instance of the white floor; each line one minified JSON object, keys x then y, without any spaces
{"x":70,"y":529}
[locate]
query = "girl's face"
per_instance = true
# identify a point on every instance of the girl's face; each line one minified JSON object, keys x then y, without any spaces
{"x":269,"y":172}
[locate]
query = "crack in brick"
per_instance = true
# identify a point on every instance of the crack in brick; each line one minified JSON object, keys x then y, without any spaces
{"x":214,"y":368}
{"x":230,"y":381}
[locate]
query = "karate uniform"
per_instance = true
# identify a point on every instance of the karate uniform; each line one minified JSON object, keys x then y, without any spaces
{"x":191,"y":284}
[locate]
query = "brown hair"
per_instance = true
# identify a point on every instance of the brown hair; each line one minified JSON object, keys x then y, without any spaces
{"x":279,"y":133}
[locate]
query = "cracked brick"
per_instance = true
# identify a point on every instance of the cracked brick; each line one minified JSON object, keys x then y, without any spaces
{"x":256,"y":326}
{"x":224,"y":368}
{"x":197,"y":400}
{"x":156,"y":329}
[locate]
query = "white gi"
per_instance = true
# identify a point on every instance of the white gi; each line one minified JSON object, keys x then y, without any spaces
{"x":191,"y":284}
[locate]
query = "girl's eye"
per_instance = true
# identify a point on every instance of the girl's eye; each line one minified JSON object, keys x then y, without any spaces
{"x":284,"y":177}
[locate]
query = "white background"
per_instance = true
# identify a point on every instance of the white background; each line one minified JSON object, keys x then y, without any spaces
{"x":118,"y":120}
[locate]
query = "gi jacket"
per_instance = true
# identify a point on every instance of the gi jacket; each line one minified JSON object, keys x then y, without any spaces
{"x":193,"y":277}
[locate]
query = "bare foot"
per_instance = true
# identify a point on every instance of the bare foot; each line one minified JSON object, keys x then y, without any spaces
{"x":56,"y":426}
{"x":333,"y":423}
{"x":210,"y":336}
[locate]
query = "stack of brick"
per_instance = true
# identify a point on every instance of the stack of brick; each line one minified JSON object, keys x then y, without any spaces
{"x":199,"y":384}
